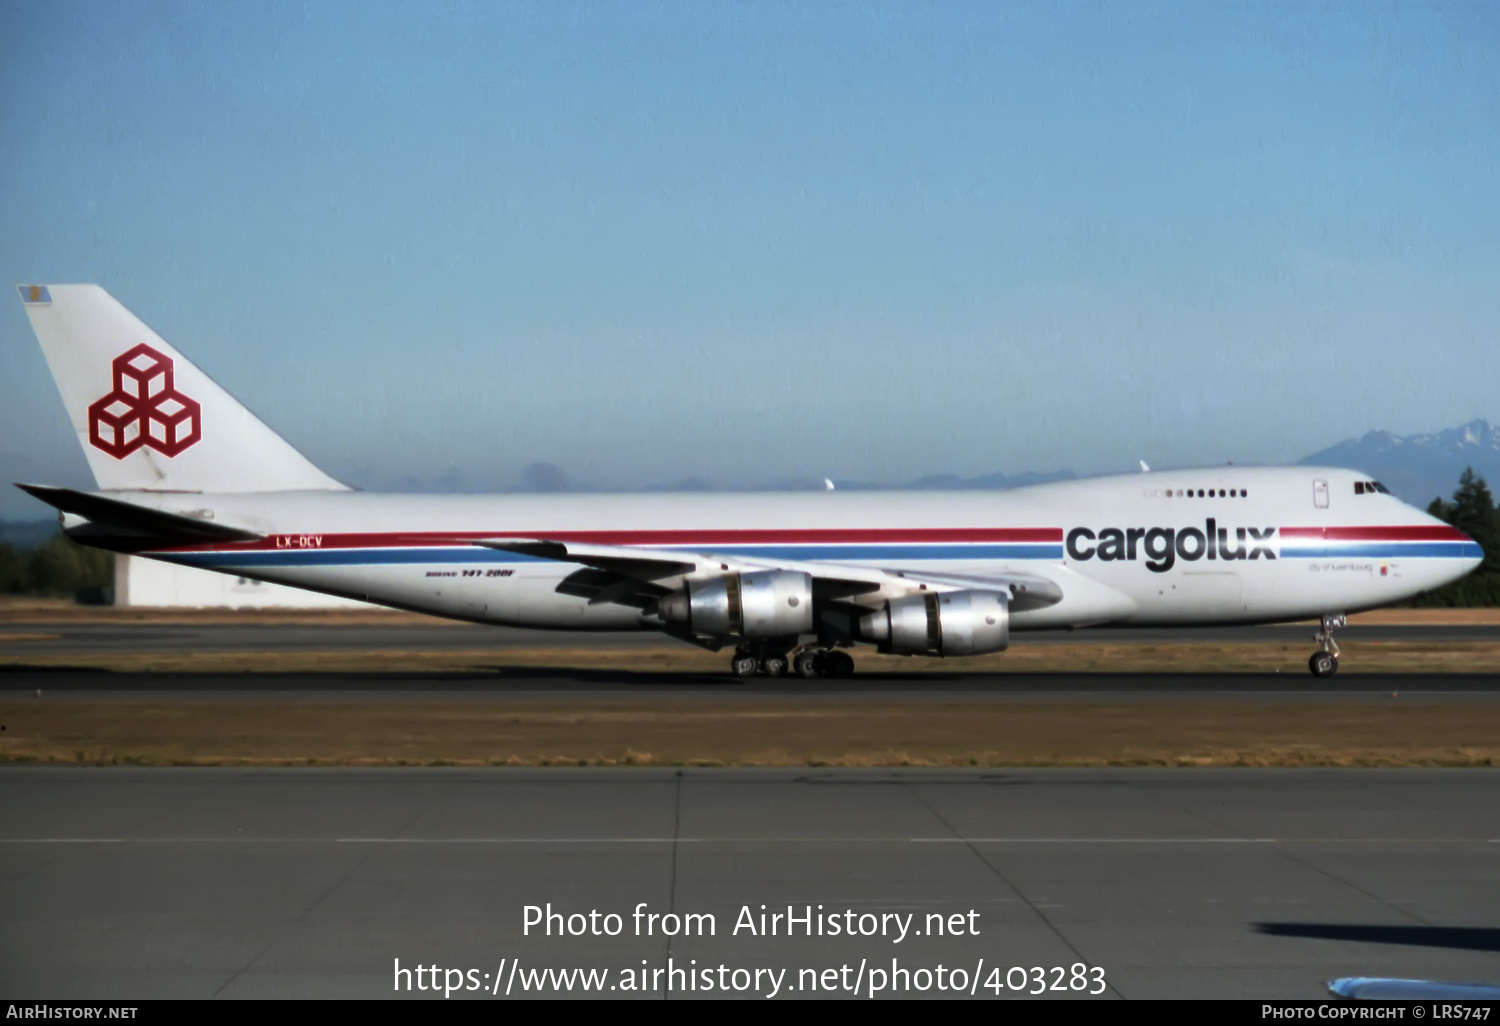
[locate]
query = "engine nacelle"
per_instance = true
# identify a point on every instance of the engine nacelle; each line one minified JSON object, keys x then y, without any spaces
{"x":950,"y":623}
{"x":763,"y":604}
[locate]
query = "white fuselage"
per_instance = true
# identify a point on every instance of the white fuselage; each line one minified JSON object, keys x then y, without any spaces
{"x":1285,"y":543}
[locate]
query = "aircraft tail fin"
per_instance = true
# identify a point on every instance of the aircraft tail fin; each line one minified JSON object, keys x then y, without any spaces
{"x":148,"y":418}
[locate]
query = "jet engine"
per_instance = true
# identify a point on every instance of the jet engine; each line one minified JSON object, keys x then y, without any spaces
{"x":763,"y":604}
{"x":951,"y":623}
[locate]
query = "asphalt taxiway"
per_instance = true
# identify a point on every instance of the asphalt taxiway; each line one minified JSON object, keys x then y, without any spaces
{"x":135,"y":883}
{"x":565,"y":683}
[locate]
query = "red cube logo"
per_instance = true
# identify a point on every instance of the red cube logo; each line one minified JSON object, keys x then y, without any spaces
{"x":144,"y":409}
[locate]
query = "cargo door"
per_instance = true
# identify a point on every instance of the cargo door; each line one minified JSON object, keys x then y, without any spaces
{"x":1213,"y":595}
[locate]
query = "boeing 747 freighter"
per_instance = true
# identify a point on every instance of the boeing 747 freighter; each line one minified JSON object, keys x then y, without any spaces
{"x":788,"y":581}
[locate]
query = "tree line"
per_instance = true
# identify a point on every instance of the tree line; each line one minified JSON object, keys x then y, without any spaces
{"x":1473,"y":511}
{"x":60,"y":566}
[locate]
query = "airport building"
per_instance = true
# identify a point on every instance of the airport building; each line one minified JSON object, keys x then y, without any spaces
{"x":146,"y":582}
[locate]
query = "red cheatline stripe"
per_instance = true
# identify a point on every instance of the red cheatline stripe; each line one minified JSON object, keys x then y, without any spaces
{"x":698,"y":539}
{"x":850,"y":536}
{"x":1436,"y":533}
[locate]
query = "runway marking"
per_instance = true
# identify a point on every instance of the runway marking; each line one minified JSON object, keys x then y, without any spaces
{"x":748,"y":840}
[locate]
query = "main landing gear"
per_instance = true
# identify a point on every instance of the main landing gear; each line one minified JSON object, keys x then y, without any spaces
{"x":823,"y":662}
{"x":807,"y":663}
{"x":1325,"y":661}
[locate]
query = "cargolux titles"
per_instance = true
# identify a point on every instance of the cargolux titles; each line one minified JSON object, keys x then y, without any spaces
{"x":1162,"y":547}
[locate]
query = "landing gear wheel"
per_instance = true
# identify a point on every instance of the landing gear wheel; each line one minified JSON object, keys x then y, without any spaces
{"x":808,"y":664}
{"x":743,"y":665}
{"x":838,"y":664}
{"x":1323,"y":664}
{"x":1325,"y":661}
{"x":773,"y":666}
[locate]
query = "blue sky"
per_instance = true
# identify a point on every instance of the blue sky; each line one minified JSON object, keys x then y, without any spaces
{"x":761,"y":241}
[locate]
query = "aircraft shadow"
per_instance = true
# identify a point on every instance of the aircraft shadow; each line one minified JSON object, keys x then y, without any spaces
{"x":1466,"y":938}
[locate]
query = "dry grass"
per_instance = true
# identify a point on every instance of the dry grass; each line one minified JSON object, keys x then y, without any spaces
{"x":731,"y":731}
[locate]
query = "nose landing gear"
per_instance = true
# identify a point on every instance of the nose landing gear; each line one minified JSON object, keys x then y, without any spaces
{"x":1325,"y":661}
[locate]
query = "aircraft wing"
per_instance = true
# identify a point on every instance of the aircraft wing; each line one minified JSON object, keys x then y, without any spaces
{"x":862,"y":585}
{"x":642,"y":564}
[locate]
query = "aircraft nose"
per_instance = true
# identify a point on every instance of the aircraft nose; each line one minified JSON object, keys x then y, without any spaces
{"x":1460,"y":545}
{"x":1473,"y":552}
{"x":1453,"y":544}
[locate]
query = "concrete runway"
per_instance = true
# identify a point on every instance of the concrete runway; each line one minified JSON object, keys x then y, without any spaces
{"x":92,"y":639}
{"x":135,"y":883}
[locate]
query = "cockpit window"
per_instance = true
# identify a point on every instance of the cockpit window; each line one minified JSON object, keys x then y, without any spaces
{"x":1382,"y":489}
{"x":1370,"y":488}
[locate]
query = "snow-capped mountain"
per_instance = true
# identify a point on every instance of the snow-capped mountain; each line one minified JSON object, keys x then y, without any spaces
{"x":1418,"y":468}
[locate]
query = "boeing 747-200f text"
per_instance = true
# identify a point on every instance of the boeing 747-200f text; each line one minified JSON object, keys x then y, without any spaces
{"x":789,"y":581}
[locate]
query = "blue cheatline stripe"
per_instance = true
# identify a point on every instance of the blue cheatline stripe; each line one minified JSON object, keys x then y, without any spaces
{"x":475,"y":554}
{"x":1385,"y":550}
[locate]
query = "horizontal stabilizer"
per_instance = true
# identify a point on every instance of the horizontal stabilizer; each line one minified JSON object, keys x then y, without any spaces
{"x":116,"y":513}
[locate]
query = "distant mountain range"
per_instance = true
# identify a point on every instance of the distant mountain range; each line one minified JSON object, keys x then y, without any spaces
{"x":1419,"y":468}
